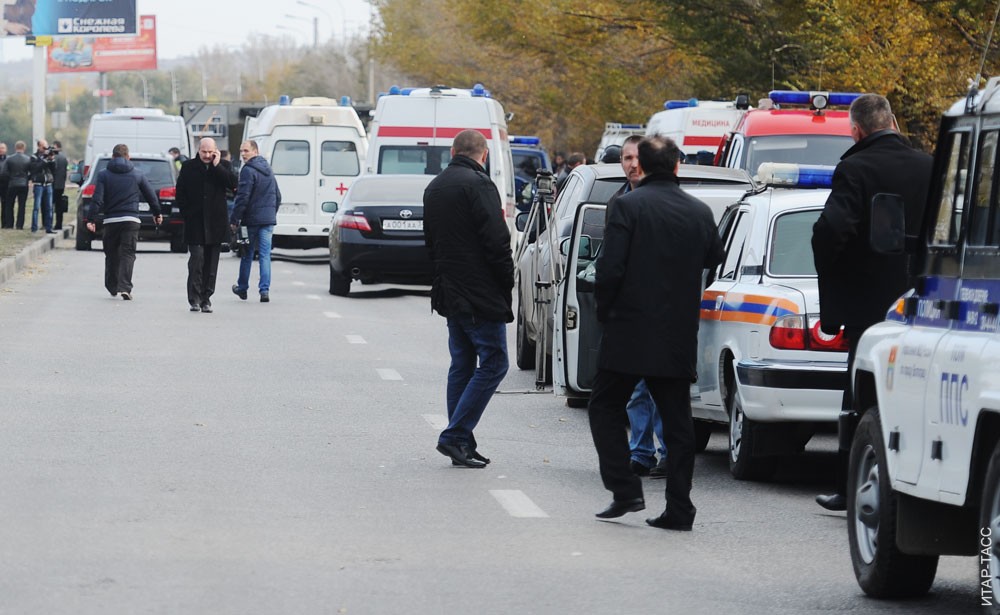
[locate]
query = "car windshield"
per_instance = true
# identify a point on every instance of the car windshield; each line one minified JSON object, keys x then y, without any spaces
{"x":791,"y":244}
{"x":603,"y":189}
{"x":158,"y":172}
{"x":527,"y":163}
{"x":799,"y":149}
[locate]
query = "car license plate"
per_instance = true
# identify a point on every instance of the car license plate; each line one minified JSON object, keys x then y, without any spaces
{"x":402,"y":225}
{"x":143,"y":206}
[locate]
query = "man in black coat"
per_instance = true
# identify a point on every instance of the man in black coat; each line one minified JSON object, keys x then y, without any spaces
{"x":16,"y":172}
{"x":657,"y":244}
{"x":4,"y":215}
{"x":201,"y":200}
{"x":856,"y":285}
{"x":469,"y":243}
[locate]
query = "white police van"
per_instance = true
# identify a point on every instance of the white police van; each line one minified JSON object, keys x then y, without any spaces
{"x":924,"y":476}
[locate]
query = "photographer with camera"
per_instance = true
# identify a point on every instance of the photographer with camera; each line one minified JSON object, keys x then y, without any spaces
{"x":42,"y":170}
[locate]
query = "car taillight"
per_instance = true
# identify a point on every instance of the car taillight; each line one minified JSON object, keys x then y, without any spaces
{"x":355,"y":221}
{"x":88,"y":191}
{"x":792,"y":333}
{"x":168,"y":193}
{"x":824,"y":341}
{"x":789,"y":333}
{"x":86,"y":170}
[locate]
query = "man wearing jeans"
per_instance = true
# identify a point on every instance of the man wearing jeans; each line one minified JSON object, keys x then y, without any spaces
{"x":42,"y":168}
{"x":256,"y":207}
{"x":469,"y":243}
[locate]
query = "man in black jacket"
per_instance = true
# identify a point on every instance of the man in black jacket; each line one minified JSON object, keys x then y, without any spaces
{"x":469,"y":243}
{"x":201,"y":200}
{"x":856,"y":285}
{"x":17,"y":172}
{"x":658,"y":242}
{"x":42,"y":169}
{"x":117,"y":192}
{"x":59,"y":174}
{"x":6,"y":216}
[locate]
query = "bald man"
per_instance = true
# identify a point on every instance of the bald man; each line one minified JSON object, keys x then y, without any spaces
{"x":201,"y":201}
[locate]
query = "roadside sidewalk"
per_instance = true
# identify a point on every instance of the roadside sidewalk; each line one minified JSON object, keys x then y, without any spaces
{"x":11,"y":265}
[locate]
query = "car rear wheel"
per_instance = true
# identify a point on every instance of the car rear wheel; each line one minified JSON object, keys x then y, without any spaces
{"x":83,"y":237}
{"x":525,"y":355}
{"x":339,"y":285}
{"x":882,"y":570}
{"x":989,"y":517}
{"x":177,"y":244}
{"x":742,"y":433}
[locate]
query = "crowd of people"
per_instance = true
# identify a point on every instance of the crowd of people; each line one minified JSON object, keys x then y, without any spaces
{"x":657,"y":243}
{"x":43,"y":174}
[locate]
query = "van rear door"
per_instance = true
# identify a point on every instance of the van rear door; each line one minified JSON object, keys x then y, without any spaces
{"x":339,"y":159}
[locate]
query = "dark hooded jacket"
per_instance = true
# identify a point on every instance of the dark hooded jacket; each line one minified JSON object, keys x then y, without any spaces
{"x":118,"y":190}
{"x":201,"y":200}
{"x":469,"y":243}
{"x":257,"y":196}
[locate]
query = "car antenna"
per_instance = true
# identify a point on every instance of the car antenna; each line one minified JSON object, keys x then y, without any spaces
{"x":970,"y":103}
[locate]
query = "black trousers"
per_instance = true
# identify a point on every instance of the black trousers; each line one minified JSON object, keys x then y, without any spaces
{"x":203,"y":265}
{"x":57,"y":196}
{"x":120,"y":239}
{"x":21,"y":196}
{"x":853,"y":335}
{"x":6,"y":211}
{"x":609,"y":424}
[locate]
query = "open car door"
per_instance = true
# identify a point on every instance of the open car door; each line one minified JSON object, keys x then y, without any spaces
{"x":576,"y":332}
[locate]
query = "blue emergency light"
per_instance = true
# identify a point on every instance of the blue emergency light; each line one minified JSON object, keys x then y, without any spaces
{"x":345,"y":101}
{"x":525,"y":141}
{"x":394,"y":90}
{"x":479,"y":90}
{"x":817,"y":100}
{"x":680,"y":104}
{"x":788,"y":175}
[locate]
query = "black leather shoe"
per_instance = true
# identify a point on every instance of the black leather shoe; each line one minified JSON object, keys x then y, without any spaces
{"x":459,"y":455}
{"x":638,"y":469}
{"x":834,"y":502}
{"x":206,"y":307}
{"x":264,"y":297}
{"x":242,"y":294}
{"x":474,"y":455}
{"x":618,"y":508}
{"x":195,"y":307}
{"x":666,"y":523}
{"x":659,"y":470}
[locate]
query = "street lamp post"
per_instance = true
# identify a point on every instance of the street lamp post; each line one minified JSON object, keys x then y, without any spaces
{"x":315,"y":25}
{"x":343,"y":18}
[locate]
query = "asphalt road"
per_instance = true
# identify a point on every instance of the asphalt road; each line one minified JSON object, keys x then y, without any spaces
{"x":279,"y":458}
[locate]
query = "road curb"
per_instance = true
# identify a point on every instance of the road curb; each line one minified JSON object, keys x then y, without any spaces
{"x":11,"y":265}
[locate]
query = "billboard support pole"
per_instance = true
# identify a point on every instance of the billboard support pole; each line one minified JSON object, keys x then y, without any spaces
{"x":38,"y":95}
{"x":104,"y":89}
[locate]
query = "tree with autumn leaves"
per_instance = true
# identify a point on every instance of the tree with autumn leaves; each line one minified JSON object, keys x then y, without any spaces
{"x":564,"y":68}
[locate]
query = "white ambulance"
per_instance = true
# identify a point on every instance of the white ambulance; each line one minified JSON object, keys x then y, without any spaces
{"x":141,"y":129}
{"x":413,"y":129}
{"x":316,"y":147}
{"x":698,"y":126}
{"x":924,"y":477}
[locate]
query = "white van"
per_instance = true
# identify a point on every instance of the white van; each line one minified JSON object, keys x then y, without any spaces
{"x":615,"y":133}
{"x":698,"y":125}
{"x":316,"y":147}
{"x":413,"y":129}
{"x":141,"y":129}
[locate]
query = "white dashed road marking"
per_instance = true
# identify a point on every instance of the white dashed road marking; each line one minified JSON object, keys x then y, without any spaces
{"x":331,"y":314}
{"x":355,"y":339}
{"x":386,"y":373}
{"x":298,"y":283}
{"x":314,"y":297}
{"x":436,"y":421}
{"x":517,"y":504}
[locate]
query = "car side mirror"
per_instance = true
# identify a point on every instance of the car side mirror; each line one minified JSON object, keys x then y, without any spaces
{"x":584,"y":248}
{"x":888,"y":224}
{"x":76,"y":178}
{"x":521,"y":221}
{"x":329,"y":207}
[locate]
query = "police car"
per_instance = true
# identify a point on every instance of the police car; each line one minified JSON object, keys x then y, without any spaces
{"x":529,"y":157}
{"x":792,"y":127}
{"x":924,"y":476}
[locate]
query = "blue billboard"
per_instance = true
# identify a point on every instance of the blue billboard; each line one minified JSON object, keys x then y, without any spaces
{"x":67,"y":18}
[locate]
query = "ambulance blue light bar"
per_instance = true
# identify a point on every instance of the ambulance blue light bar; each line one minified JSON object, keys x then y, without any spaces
{"x":818,"y":100}
{"x":680,"y":104}
{"x":788,"y":175}
{"x":525,"y":141}
{"x":345,"y":101}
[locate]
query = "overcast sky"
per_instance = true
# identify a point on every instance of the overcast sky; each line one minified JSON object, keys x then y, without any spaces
{"x":184,"y":25}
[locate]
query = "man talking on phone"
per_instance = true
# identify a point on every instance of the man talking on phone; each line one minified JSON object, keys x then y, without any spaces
{"x":201,"y":201}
